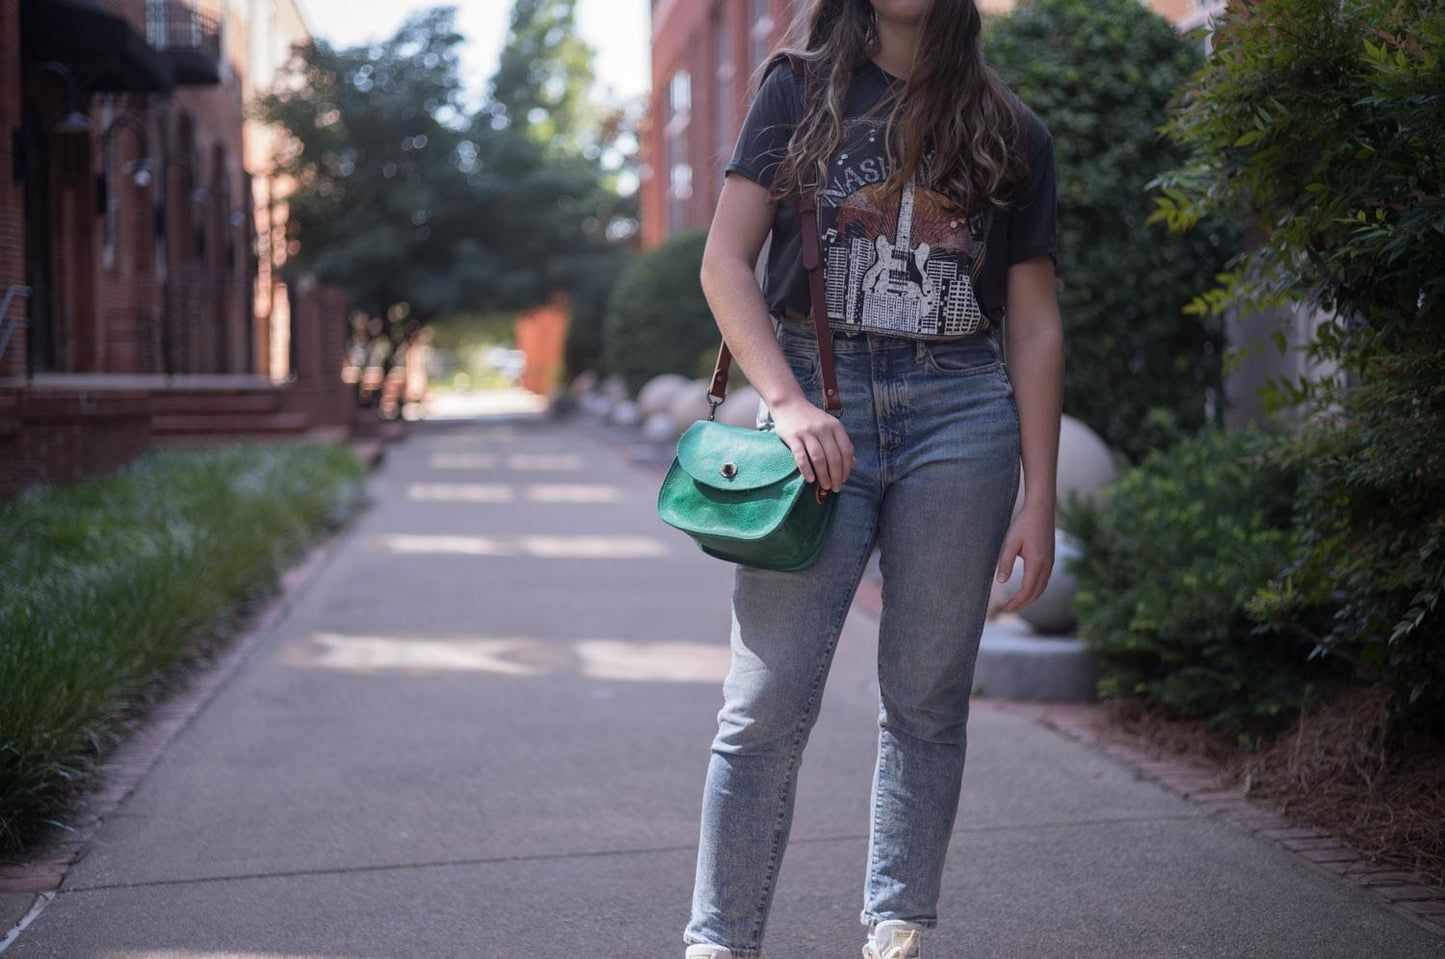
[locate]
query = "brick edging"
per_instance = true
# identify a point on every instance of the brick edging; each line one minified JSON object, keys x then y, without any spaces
{"x":43,"y":867}
{"x":1422,"y":903}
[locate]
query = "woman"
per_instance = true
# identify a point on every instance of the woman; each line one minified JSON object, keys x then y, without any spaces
{"x":936,"y":207}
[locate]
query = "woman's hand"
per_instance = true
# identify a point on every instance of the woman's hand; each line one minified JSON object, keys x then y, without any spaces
{"x":1031,"y":536}
{"x":819,"y":443}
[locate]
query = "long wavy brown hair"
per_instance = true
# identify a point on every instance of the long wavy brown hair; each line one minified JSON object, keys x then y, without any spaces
{"x":952,"y":104}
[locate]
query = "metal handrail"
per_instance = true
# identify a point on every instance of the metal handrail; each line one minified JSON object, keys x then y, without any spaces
{"x":9,"y":328}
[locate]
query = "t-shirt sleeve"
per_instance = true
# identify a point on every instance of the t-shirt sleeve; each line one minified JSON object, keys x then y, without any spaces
{"x":769,"y":126}
{"x":1033,"y":227}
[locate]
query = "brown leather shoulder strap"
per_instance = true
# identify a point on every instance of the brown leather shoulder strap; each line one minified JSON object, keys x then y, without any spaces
{"x":807,"y":202}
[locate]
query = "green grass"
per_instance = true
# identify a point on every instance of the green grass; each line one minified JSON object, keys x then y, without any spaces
{"x":108,"y":585}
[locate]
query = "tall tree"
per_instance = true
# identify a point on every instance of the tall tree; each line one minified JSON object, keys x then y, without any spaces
{"x":544,"y":77}
{"x":380,"y":160}
{"x":414,"y":208}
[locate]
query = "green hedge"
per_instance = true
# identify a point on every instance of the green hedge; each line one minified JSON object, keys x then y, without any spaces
{"x":106,"y":585}
{"x":1324,"y":119}
{"x":1141,"y":372}
{"x":657,"y":318}
{"x":1173,"y":561}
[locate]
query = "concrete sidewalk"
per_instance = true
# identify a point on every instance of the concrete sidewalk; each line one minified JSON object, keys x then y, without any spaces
{"x":482,"y":730}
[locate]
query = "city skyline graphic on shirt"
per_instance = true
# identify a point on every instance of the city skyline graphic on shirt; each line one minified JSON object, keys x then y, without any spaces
{"x":903,"y":266}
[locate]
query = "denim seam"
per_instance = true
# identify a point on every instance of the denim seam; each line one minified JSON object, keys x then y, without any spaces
{"x":931,"y":365}
{"x":871,"y":919}
{"x":868,"y":917}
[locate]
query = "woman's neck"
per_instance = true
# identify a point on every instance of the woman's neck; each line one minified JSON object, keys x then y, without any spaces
{"x":896,"y":44}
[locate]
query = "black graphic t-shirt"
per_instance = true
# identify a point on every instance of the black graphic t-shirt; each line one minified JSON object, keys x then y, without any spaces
{"x":903,"y":266}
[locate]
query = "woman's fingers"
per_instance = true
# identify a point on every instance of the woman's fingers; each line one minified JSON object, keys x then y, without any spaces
{"x":819,"y":443}
{"x":805,"y":464}
{"x":1006,"y":560}
{"x":820,"y":469}
{"x":1013,"y":551}
{"x":839,"y":462}
{"x":1030,"y":589}
{"x":821,"y":449}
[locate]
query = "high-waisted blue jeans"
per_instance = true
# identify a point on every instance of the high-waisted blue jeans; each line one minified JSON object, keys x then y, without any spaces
{"x":936,"y":437}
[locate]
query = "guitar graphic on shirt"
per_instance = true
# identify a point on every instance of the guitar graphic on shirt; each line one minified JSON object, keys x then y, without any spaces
{"x":897,"y":290}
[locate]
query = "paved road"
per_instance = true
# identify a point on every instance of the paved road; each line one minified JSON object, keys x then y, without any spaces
{"x":482,"y":730}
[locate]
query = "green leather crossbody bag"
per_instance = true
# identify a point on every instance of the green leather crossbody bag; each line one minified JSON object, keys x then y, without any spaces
{"x":738,"y":492}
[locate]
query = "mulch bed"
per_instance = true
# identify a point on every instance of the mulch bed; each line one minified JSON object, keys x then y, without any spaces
{"x":1338,"y":768}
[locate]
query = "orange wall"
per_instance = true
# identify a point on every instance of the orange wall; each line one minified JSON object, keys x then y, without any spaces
{"x":541,"y":335}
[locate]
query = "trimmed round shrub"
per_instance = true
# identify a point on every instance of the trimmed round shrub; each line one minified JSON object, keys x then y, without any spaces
{"x":1174,"y":560}
{"x":657,"y":319}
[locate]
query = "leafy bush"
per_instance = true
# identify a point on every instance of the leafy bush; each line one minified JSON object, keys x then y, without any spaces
{"x":1100,"y":73}
{"x":1325,"y":120}
{"x":657,"y":319}
{"x":107,"y":584}
{"x":1171,"y":562}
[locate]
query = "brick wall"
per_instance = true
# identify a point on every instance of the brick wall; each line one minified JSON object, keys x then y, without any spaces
{"x":12,"y":215}
{"x":108,"y":303}
{"x":318,"y":338}
{"x":61,"y":436}
{"x":686,"y":37}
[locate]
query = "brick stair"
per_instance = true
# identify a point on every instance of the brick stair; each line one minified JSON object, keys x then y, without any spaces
{"x":9,"y":414}
{"x":202,"y":417}
{"x":169,"y":402}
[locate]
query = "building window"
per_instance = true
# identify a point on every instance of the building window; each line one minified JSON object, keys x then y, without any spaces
{"x":723,"y":91}
{"x":679,"y":93}
{"x":679,"y":168}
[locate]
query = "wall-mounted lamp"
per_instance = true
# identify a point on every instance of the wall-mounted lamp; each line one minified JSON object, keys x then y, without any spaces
{"x":141,"y":171}
{"x":74,"y":121}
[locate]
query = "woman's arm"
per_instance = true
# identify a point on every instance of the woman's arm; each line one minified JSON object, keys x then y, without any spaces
{"x":741,"y":224}
{"x":1035,"y":345}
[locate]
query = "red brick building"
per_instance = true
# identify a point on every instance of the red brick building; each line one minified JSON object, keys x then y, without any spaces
{"x":142,"y":236}
{"x":704,"y":57}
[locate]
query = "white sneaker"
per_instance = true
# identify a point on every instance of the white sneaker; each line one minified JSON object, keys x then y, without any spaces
{"x":894,"y":939}
{"x":705,"y":951}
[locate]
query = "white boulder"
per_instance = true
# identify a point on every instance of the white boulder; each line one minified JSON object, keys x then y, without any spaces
{"x":657,"y":393}
{"x":624,"y":413}
{"x":1085,"y":463}
{"x":614,"y":388}
{"x":584,"y":383}
{"x":689,"y":404}
{"x":659,"y":427}
{"x":740,"y":408}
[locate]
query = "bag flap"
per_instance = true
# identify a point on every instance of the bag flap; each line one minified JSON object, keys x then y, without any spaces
{"x":734,"y":457}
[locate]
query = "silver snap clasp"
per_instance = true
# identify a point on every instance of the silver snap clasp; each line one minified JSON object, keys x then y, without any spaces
{"x":729,"y":470}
